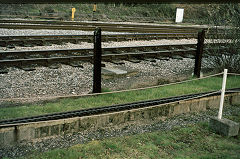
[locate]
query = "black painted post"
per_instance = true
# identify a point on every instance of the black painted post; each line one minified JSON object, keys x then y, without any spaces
{"x":97,"y":61}
{"x":198,"y":57}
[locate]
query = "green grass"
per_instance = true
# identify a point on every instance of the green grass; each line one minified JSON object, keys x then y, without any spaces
{"x":217,"y":14}
{"x":211,"y":84}
{"x":105,"y":11}
{"x":193,"y":141}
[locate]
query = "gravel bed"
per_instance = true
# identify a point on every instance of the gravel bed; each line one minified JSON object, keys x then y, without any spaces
{"x":67,"y":80}
{"x":45,"y":81}
{"x":85,"y":45}
{"x":28,"y":32}
{"x":68,"y":140}
{"x":151,"y":73}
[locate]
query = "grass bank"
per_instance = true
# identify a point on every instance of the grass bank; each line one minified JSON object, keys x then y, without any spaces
{"x":160,"y":13}
{"x":192,"y":141}
{"x":204,"y":85}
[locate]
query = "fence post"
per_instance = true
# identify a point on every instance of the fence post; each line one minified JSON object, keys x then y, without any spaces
{"x":222,"y":94}
{"x":97,"y":57}
{"x":198,"y":57}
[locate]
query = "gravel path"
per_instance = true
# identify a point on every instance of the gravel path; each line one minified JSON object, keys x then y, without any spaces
{"x":182,"y":120}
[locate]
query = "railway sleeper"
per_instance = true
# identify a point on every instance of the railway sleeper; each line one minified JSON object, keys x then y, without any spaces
{"x":107,"y":52}
{"x":35,"y":43}
{"x":53,"y":41}
{"x":140,"y":57}
{"x":121,"y":57}
{"x":150,"y":55}
{"x":55,"y":66}
{"x":149,"y":49}
{"x":163,"y":58}
{"x":117,"y":62}
{"x":178,"y":57}
{"x":3,"y":43}
{"x":134,"y":60}
{"x":31,"y":67}
{"x":108,"y":58}
{"x":135,"y":50}
{"x":151,"y":60}
{"x":190,"y":56}
{"x":46,"y":43}
{"x":191,"y":53}
{"x":3,"y":70}
{"x":10,"y":46}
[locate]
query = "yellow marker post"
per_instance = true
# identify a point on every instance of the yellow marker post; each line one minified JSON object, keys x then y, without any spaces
{"x":94,"y":10}
{"x":73,"y":11}
{"x":94,"y":7}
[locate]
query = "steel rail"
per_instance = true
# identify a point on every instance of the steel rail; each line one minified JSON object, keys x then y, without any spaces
{"x":105,"y":109}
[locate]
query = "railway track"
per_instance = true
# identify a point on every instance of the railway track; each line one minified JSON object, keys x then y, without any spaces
{"x":95,"y":24}
{"x":67,"y":56}
{"x":141,"y":32}
{"x":88,"y":26}
{"x":41,"y":40}
{"x":100,"y":110}
{"x":104,"y":28}
{"x":71,"y":57}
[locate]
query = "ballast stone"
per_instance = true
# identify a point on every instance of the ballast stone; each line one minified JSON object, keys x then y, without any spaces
{"x":224,"y":126}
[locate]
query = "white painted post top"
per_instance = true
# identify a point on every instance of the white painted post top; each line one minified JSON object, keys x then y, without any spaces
{"x":179,"y":15}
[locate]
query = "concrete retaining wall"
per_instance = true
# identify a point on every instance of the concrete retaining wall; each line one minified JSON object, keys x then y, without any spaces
{"x":23,"y":133}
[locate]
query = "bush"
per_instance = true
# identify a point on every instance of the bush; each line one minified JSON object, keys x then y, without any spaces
{"x":225,"y":55}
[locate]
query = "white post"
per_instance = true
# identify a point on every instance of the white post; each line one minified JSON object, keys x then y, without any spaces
{"x":179,"y":15}
{"x":222,"y":94}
